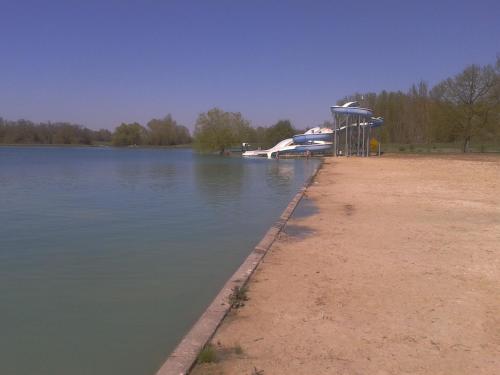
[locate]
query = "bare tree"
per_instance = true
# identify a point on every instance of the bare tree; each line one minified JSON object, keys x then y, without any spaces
{"x":469,"y":100}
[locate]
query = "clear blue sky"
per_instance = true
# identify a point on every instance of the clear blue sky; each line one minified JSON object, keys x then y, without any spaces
{"x":100,"y":63}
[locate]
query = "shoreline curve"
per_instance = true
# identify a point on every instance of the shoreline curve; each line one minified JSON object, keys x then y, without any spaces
{"x":183,"y":358}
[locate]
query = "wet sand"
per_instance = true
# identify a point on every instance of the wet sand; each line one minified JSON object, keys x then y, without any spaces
{"x":396,"y":271}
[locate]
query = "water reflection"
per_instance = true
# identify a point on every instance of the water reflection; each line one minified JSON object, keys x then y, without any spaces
{"x":280,"y":172}
{"x":123,"y":249}
{"x":219,"y":179}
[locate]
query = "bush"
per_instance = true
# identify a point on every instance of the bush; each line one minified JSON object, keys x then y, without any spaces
{"x":238,"y":297}
{"x":207,"y":354}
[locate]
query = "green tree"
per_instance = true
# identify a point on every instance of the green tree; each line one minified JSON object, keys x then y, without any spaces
{"x":103,"y":135}
{"x":66,"y":134}
{"x":129,"y":134}
{"x":162,"y":131}
{"x":283,"y":129}
{"x":166,"y":131}
{"x":217,"y":130}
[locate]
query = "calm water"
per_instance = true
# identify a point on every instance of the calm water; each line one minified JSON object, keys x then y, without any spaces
{"x":108,"y":256}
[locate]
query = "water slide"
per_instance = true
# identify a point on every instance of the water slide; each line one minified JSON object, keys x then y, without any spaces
{"x":373,"y":122}
{"x":268,"y":153}
{"x":313,"y":137}
{"x":319,"y":140}
{"x":315,"y":140}
{"x":352,"y":108}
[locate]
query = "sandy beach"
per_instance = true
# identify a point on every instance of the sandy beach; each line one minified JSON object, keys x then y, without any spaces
{"x":396,"y":272}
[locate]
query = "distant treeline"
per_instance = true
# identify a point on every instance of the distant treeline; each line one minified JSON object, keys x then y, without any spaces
{"x":158,"y":132}
{"x":27,"y":132}
{"x":216,"y":130}
{"x":462,"y":108}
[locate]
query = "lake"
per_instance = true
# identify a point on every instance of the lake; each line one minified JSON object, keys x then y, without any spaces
{"x":108,"y":256}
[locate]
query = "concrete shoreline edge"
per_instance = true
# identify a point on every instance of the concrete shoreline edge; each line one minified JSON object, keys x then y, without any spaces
{"x":184,"y":356}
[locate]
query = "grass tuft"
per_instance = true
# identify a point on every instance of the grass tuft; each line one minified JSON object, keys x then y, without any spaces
{"x":207,"y":354}
{"x":238,"y":297}
{"x":238,"y":349}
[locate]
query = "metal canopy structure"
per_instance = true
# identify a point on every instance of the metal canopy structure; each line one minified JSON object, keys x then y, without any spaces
{"x":352,"y":129}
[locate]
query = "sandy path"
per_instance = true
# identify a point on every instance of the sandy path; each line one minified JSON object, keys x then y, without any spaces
{"x":399,"y":274}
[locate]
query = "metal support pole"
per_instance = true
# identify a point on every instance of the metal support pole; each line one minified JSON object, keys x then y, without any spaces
{"x":379,"y":139}
{"x":368,"y":142}
{"x":335,"y":135}
{"x":358,"y":147}
{"x":363,"y":151}
{"x":346,"y":151}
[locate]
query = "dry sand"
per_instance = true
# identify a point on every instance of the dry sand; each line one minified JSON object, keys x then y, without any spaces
{"x":397,"y":273}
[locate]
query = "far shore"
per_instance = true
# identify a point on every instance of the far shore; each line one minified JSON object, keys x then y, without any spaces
{"x":389,"y":148}
{"x":91,"y":145}
{"x":398,"y":272}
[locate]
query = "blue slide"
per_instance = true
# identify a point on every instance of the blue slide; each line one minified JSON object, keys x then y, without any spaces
{"x":308,"y":138}
{"x":352,"y":108}
{"x":351,"y":111}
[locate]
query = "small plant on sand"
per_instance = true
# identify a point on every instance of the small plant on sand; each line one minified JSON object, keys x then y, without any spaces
{"x":207,"y":354}
{"x":238,"y":297}
{"x":238,"y":349}
{"x":257,"y":372}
